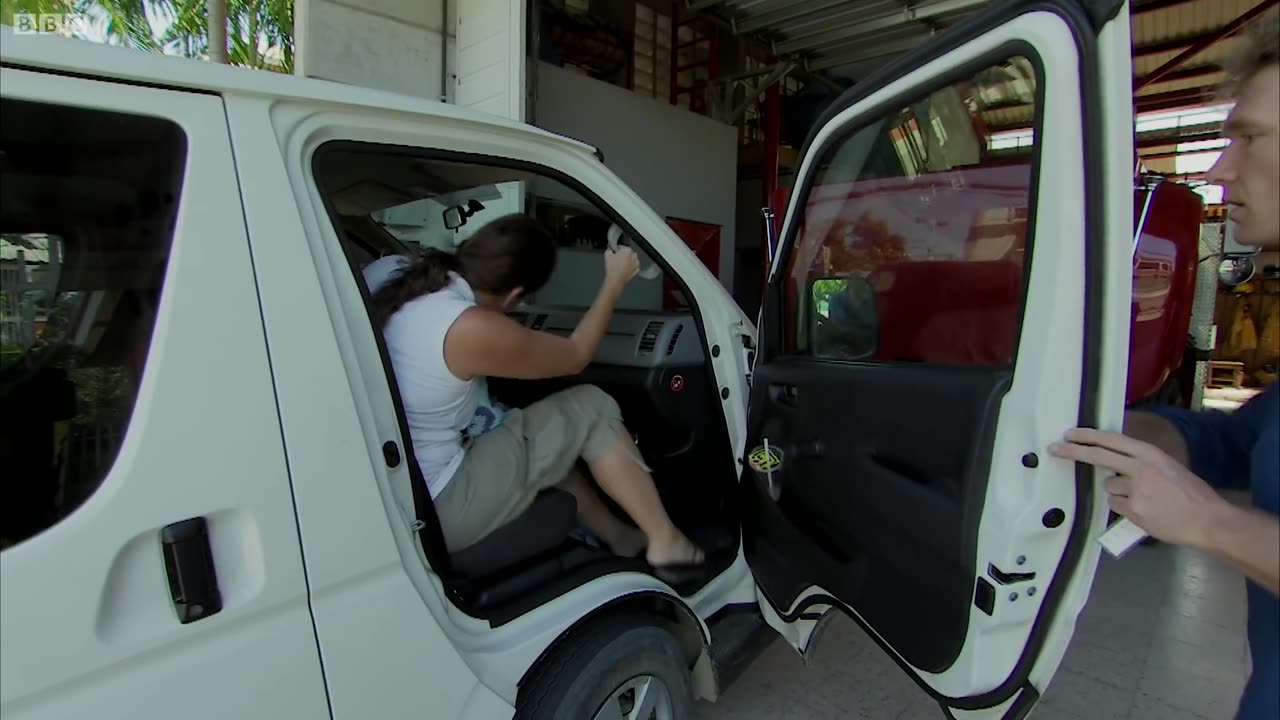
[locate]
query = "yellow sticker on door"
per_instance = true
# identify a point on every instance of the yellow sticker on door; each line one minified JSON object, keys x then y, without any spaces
{"x":765,"y":458}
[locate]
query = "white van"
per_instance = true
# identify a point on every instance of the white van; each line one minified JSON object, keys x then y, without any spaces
{"x":210,"y":508}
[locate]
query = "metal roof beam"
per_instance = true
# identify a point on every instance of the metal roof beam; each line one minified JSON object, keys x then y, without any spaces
{"x":1146,"y":143}
{"x":845,"y":13}
{"x":1196,"y":48}
{"x":695,"y":5}
{"x":840,"y":27}
{"x":1176,"y":153}
{"x":1173,"y":100}
{"x":892,"y":48}
{"x":781,"y":12}
{"x":1154,"y":5}
{"x":1191,"y":73}
{"x":1177,"y":134}
{"x":1164,"y":46}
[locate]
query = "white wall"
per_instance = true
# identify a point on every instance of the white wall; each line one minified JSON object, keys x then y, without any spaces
{"x":683,"y":164}
{"x":491,"y":56}
{"x":395,"y":45}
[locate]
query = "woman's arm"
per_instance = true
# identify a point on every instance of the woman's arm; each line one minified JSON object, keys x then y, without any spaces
{"x":488,"y":343}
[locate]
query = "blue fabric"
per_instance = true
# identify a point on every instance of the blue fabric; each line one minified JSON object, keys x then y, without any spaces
{"x":1241,"y":450}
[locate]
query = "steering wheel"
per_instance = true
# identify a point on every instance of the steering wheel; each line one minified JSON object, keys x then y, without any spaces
{"x":649,"y":271}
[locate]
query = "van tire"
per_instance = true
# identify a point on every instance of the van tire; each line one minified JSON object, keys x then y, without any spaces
{"x":585,"y":670}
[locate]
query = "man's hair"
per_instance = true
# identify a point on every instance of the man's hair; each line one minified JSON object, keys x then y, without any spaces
{"x":1258,"y":48}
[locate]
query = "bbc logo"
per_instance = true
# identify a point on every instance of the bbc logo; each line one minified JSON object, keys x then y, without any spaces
{"x":67,"y":24}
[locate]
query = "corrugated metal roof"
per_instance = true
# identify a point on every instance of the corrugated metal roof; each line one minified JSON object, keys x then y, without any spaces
{"x":848,"y":38}
{"x":1162,"y":34}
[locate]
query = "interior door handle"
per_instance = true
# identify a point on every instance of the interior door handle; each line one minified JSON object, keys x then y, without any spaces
{"x":784,"y":394}
{"x":188,"y":562}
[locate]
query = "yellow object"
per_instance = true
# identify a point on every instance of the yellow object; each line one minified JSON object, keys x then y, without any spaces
{"x":1244,"y":336}
{"x":1269,"y":341}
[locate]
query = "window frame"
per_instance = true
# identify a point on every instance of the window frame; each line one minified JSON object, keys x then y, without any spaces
{"x":430,"y":536}
{"x":143,"y":291}
{"x":779,"y":285}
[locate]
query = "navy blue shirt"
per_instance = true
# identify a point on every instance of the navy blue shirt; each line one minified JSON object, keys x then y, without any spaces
{"x":1241,"y":450}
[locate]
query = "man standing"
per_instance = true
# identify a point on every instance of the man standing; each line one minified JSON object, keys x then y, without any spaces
{"x":1168,"y":461}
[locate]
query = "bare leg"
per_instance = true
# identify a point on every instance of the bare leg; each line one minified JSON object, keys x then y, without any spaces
{"x":623,"y":539}
{"x":624,"y":480}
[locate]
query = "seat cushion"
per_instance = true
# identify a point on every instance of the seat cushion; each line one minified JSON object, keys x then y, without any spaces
{"x":545,"y":525}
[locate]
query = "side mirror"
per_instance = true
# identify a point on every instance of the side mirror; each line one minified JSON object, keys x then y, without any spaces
{"x":843,"y":322}
{"x":1236,"y":270}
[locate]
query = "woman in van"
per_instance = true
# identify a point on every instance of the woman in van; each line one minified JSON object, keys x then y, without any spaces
{"x":444,"y":321}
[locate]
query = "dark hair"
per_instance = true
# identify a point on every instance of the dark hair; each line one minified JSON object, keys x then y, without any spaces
{"x":510,"y":252}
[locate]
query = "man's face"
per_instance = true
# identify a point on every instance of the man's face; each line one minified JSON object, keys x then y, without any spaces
{"x":1249,"y":168}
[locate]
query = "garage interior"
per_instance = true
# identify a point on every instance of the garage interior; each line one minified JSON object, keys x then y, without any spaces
{"x":702,"y":105}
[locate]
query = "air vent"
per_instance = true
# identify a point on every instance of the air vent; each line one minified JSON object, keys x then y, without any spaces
{"x":539,"y":321}
{"x":649,"y":338}
{"x":671,"y":346}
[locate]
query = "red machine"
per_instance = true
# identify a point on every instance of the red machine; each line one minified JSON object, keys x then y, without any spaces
{"x":931,"y":310}
{"x":1168,"y":217}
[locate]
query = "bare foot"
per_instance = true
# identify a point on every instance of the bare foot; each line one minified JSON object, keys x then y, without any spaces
{"x":676,"y":550}
{"x":628,"y":543}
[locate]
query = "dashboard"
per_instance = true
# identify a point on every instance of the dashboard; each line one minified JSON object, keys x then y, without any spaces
{"x":652,"y":364}
{"x":634,"y":339}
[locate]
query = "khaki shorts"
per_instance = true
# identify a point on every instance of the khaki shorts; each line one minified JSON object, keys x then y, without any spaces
{"x":533,"y":449}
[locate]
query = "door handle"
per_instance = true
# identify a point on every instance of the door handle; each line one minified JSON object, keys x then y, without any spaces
{"x":188,"y":562}
{"x":784,"y":394}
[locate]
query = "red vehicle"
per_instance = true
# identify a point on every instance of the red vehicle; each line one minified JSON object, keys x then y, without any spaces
{"x":1161,"y":359}
{"x":948,"y":282}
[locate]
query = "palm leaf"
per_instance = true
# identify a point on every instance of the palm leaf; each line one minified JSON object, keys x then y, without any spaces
{"x":9,"y":8}
{"x":127,"y":22}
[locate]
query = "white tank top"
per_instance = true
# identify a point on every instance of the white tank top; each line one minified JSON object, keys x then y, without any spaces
{"x":441,"y":410}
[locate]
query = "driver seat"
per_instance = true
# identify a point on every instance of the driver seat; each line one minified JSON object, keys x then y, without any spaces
{"x":514,"y":559}
{"x":544,"y":526}
{"x":524,"y":555}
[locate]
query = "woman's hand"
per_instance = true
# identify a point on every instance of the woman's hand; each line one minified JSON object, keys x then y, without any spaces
{"x":620,"y":266}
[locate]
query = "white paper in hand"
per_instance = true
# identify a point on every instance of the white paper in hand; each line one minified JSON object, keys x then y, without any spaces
{"x":1121,"y":537}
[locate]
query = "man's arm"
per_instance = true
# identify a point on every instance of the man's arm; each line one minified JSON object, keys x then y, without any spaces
{"x":1215,"y":445}
{"x":1165,"y":498}
{"x":1248,"y":539}
{"x":1159,"y":431}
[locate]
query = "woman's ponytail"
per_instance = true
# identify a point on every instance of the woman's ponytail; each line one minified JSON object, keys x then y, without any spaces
{"x":427,"y":273}
{"x":511,"y":252}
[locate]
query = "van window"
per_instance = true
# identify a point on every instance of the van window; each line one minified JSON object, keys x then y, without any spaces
{"x":417,"y":202}
{"x":913,"y":237}
{"x":87,"y":205}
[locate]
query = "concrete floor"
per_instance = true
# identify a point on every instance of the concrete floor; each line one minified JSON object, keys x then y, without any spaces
{"x":1162,"y":638}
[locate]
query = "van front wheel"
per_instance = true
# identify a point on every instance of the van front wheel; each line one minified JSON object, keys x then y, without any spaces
{"x":626,"y":668}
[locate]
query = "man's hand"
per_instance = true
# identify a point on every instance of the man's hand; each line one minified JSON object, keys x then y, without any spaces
{"x":1160,"y":495}
{"x":1150,"y":488}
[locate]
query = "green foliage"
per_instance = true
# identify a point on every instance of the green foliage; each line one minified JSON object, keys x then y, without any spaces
{"x":252,"y":26}
{"x":823,"y":290}
{"x":10,"y":7}
{"x":104,"y":395}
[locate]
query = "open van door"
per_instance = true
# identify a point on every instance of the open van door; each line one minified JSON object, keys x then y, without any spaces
{"x":950,"y":294}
